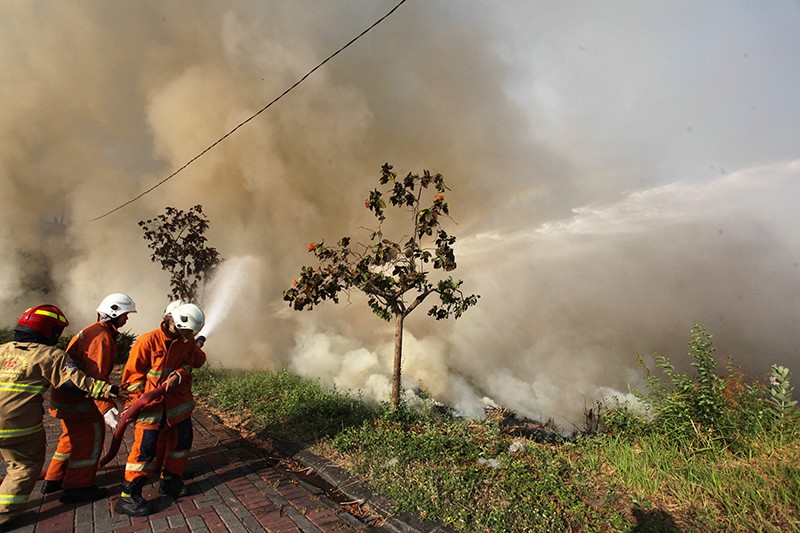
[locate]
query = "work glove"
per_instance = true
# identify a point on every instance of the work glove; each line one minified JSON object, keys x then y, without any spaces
{"x":112,"y":418}
{"x":201,"y":340}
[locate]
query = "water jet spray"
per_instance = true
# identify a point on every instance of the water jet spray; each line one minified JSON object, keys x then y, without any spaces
{"x":226,"y":285}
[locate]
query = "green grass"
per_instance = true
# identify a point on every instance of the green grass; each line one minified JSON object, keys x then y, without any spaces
{"x":280,"y":403}
{"x":716,"y":489}
{"x":465,"y":473}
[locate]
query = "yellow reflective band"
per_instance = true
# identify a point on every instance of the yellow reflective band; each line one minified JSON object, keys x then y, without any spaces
{"x":139,"y":467}
{"x":80,"y":464}
{"x":133,"y":386}
{"x":13,"y":499}
{"x":148,"y":419}
{"x":58,"y":317}
{"x":21,"y":387}
{"x":20,"y":432}
{"x":61,"y":456}
{"x":97,"y":389}
{"x":155,"y":373}
{"x":180,"y":409}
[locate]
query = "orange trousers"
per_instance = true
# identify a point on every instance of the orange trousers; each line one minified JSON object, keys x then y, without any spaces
{"x":159,"y":452}
{"x":77,"y":454}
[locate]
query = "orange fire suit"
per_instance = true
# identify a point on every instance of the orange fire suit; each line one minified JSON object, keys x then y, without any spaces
{"x":163,"y":430}
{"x":27,"y":369}
{"x":83,"y":429}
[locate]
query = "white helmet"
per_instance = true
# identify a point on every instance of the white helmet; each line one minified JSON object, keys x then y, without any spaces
{"x":189,"y":316}
{"x":115,"y":305}
{"x":172,"y":305}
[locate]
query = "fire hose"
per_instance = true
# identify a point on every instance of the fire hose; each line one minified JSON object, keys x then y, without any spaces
{"x":131,"y":412}
{"x":128,"y":415}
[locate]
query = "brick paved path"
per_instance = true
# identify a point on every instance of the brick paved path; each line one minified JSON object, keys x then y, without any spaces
{"x":235,"y":486}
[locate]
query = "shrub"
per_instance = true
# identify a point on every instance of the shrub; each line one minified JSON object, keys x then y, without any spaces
{"x":706,"y":405}
{"x":125,"y":340}
{"x":686,"y":405}
{"x":779,"y":393}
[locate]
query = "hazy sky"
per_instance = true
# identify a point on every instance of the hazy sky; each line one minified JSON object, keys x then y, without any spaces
{"x":619,"y":171}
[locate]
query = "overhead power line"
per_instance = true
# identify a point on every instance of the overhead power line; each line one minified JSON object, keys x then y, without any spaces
{"x":254,"y":115}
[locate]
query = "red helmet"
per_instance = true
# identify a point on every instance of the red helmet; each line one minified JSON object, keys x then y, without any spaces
{"x":47,"y":320}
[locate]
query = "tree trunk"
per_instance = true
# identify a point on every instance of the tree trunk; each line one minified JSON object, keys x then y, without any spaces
{"x":398,"y":359}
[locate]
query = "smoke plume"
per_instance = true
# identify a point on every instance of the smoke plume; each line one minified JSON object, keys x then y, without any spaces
{"x":618,"y":173}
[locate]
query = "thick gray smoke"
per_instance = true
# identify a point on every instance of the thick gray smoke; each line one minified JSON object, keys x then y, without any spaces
{"x":619,"y":173}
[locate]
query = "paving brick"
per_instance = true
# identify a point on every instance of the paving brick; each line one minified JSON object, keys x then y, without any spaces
{"x":212,"y":520}
{"x":234,"y":487}
{"x":196,"y":524}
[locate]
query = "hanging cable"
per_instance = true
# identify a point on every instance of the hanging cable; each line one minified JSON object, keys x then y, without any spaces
{"x":254,"y":115}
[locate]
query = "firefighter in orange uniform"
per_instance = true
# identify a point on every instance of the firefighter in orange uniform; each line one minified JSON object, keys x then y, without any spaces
{"x":83,"y":420}
{"x":163,"y":428}
{"x":28,"y":366}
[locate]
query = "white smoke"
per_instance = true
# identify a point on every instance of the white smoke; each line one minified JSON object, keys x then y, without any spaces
{"x":609,"y":188}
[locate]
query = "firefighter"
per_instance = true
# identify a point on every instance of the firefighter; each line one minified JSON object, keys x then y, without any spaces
{"x":83,"y":420}
{"x":28,"y":366}
{"x":163,"y":428}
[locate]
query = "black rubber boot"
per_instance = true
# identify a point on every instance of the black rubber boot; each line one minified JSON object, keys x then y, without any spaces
{"x":172,"y":485}
{"x":131,"y":501}
{"x":51,"y":485}
{"x":85,"y":494}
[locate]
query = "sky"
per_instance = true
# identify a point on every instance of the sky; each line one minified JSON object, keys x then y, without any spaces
{"x":619,"y":172}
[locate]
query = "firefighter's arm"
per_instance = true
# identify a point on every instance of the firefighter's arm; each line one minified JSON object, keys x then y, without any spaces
{"x":134,"y":375}
{"x":69,"y":386}
{"x":63,"y":370}
{"x":99,"y":359}
{"x":198,"y":357}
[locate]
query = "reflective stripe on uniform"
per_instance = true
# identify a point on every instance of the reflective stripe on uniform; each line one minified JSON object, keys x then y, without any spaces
{"x":20,"y":432}
{"x":61,"y":456}
{"x":13,"y":499}
{"x":97,"y":389}
{"x":81,"y":464}
{"x":139,"y":467}
{"x":180,"y":409}
{"x":9,"y":386}
{"x":149,"y":418}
